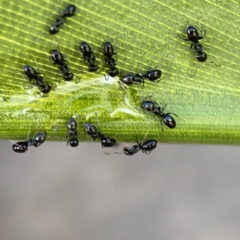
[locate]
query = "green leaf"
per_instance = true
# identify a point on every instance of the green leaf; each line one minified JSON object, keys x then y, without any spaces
{"x":145,"y":34}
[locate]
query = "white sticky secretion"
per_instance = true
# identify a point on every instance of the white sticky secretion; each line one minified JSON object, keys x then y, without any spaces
{"x":20,"y":112}
{"x":125,"y":110}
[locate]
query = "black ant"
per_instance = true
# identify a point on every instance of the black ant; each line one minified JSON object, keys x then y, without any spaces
{"x":94,"y":133}
{"x":131,"y":78}
{"x":108,"y":52}
{"x":88,"y":56}
{"x":32,"y":74}
{"x":72,"y":133}
{"x":36,"y":141}
{"x":58,"y":59}
{"x":194,"y":37}
{"x":146,"y":147}
{"x":69,"y":11}
{"x":152,"y":106}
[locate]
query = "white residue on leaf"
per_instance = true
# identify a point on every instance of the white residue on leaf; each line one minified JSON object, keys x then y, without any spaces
{"x":72,"y":86}
{"x":125,"y":110}
{"x":20,"y":112}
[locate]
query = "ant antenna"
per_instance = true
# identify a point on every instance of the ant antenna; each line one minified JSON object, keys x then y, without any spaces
{"x":195,"y":70}
{"x":96,"y":116}
{"x":28,"y":132}
{"x":218,"y":65}
{"x":123,"y":86}
{"x":14,"y":142}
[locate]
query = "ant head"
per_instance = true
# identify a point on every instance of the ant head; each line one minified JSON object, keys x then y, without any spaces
{"x":70,"y":11}
{"x":73,"y":142}
{"x":20,"y":147}
{"x":72,"y":124}
{"x":169,"y":121}
{"x":108,"y":50}
{"x":148,"y":105}
{"x":30,"y":71}
{"x":132,"y":150}
{"x":202,"y":57}
{"x":128,"y":151}
{"x":39,"y":138}
{"x":85,"y":48}
{"x":90,"y":129}
{"x":128,"y":78}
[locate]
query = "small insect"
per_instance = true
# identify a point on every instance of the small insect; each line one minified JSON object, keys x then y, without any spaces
{"x":194,"y":37}
{"x":94,"y":133}
{"x":146,"y":147}
{"x":32,"y":74}
{"x":108,"y":52}
{"x":72,"y":133}
{"x":131,"y":78}
{"x":152,"y":106}
{"x":89,"y":56}
{"x":36,"y":141}
{"x":58,"y":59}
{"x":69,"y":11}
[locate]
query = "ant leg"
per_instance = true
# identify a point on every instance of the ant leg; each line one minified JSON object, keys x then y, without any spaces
{"x":217,"y":65}
{"x":96,"y":116}
{"x":114,"y":44}
{"x":28,"y":133}
{"x":99,"y":69}
{"x":29,"y":80}
{"x":145,"y":136}
{"x":77,"y":79}
{"x":37,"y":64}
{"x":162,"y":125}
{"x":142,"y":83}
{"x":164,"y":107}
{"x":122,"y":86}
{"x":195,"y":70}
{"x":37,"y":125}
{"x":175,"y":115}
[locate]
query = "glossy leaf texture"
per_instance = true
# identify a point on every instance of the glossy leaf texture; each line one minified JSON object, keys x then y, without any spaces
{"x":145,"y":35}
